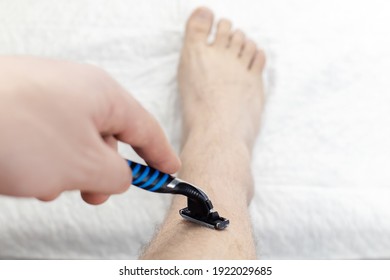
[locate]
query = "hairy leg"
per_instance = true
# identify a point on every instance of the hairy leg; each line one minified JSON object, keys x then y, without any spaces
{"x":222,"y":96}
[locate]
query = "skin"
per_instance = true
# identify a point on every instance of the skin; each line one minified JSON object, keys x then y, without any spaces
{"x":60,"y":122}
{"x":221,"y":90}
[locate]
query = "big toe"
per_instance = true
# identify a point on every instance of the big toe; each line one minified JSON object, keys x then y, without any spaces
{"x":199,"y":25}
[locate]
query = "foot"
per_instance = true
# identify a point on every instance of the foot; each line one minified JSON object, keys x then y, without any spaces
{"x":220,"y":82}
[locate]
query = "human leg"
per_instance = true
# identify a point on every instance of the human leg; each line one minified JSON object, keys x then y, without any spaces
{"x":222,"y":96}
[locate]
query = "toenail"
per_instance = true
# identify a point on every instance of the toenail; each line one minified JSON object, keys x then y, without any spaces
{"x":203,"y":14}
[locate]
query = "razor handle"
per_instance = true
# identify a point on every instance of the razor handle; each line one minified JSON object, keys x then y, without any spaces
{"x":150,"y":179}
{"x":153,"y":180}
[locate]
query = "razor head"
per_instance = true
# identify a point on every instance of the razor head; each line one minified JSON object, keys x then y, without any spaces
{"x":212,"y":220}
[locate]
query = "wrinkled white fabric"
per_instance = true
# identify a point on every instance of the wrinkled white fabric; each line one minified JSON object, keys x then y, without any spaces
{"x":321,"y":160}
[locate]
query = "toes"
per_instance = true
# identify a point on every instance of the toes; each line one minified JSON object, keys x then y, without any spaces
{"x":223,"y":33}
{"x":258,"y":61}
{"x":248,"y":52}
{"x":199,"y":25}
{"x":237,"y":42}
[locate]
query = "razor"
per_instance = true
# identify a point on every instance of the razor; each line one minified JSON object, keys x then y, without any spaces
{"x":199,"y":207}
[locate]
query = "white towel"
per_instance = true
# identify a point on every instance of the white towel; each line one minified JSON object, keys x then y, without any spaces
{"x":321,"y":160}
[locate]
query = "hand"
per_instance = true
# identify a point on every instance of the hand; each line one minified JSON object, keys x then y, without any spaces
{"x":59,"y":124}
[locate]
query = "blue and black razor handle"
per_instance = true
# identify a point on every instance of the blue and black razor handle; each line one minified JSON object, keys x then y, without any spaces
{"x":199,"y":210}
{"x":149,"y":179}
{"x":153,"y":180}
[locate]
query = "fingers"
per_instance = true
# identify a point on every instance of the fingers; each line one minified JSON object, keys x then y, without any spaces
{"x":49,"y":197}
{"x":88,"y":197}
{"x":98,"y":198}
{"x":120,"y":117}
{"x":93,"y":198}
{"x":108,"y":173}
{"x":132,"y":124}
